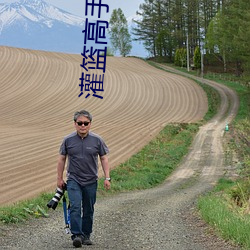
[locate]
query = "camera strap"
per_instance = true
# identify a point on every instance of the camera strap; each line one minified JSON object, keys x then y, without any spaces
{"x":66,"y":212}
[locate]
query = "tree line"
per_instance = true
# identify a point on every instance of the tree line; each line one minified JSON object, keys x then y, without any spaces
{"x":217,"y":28}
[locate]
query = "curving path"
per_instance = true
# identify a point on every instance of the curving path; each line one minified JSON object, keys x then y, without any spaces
{"x":39,"y":94}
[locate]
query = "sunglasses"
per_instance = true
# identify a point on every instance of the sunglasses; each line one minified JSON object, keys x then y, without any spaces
{"x":83,"y":123}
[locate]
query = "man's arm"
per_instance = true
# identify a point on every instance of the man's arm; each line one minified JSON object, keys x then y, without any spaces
{"x":105,"y":167}
{"x":60,"y":169}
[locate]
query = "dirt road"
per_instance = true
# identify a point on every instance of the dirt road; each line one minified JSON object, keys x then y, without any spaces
{"x":160,"y":218}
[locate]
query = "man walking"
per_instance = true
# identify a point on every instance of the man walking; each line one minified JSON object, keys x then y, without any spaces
{"x":82,"y":148}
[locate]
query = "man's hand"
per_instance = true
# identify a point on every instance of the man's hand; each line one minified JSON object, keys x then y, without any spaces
{"x":106,"y":184}
{"x":60,"y":183}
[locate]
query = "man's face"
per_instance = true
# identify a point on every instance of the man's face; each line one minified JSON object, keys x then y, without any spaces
{"x":82,"y":125}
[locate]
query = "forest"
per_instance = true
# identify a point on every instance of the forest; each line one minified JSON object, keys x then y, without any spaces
{"x":216,"y":30}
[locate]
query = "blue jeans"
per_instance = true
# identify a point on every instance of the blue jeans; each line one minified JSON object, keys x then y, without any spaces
{"x":82,"y":200}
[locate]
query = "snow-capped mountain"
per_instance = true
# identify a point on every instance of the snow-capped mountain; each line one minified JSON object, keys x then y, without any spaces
{"x":36,"y":24}
{"x":35,"y":11}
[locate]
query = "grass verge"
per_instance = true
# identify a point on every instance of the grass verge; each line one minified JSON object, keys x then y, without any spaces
{"x":217,"y":210}
{"x":25,"y":210}
{"x":155,"y":161}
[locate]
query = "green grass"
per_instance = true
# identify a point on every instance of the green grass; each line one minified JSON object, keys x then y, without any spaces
{"x":155,"y":161}
{"x":218,"y":212}
{"x":25,"y":210}
{"x":213,"y":100}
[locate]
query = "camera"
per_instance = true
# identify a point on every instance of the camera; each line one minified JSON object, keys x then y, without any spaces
{"x":54,"y":201}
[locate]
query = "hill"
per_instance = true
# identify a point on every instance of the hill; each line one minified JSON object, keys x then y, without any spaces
{"x":39,"y":94}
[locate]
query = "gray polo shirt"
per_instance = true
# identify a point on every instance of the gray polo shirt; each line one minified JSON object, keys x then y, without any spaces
{"x":83,"y":156}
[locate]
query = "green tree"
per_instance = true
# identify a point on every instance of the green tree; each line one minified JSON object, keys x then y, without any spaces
{"x":154,"y":28}
{"x":216,"y":39}
{"x":177,"y":60}
{"x":241,"y":36}
{"x":181,"y":57}
{"x":228,"y":35}
{"x":197,"y":58}
{"x":166,"y":24}
{"x":146,"y":27}
{"x":119,"y":34}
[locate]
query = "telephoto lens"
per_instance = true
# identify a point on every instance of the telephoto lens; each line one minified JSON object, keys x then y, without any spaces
{"x":54,"y":201}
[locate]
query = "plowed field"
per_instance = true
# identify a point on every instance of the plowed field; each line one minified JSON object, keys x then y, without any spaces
{"x":39,"y":94}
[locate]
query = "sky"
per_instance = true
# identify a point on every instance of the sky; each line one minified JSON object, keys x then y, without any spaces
{"x":77,"y":7}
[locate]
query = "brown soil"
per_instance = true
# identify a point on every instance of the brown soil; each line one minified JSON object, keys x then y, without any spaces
{"x":39,"y":94}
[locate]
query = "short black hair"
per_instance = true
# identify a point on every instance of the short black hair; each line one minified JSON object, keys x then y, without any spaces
{"x":82,"y":113}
